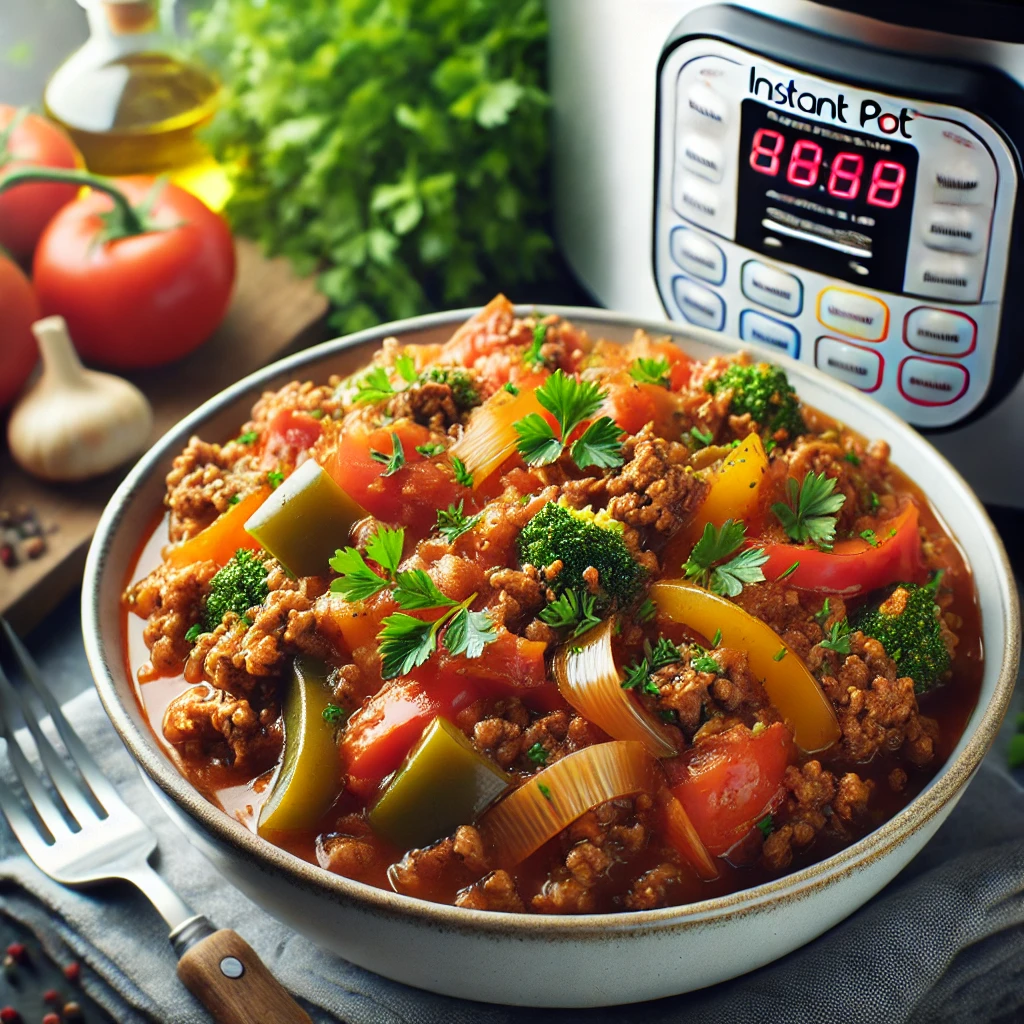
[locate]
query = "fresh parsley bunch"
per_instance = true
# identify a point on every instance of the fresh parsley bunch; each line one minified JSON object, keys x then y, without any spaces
{"x":707,"y":563}
{"x":399,"y":149}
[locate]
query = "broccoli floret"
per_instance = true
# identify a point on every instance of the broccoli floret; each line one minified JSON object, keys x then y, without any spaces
{"x":580,"y":540}
{"x":764,"y":391}
{"x":239,"y":586}
{"x":464,"y":390}
{"x":909,"y":626}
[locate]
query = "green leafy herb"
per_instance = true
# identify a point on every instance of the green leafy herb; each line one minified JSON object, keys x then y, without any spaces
{"x":571,"y":402}
{"x":646,"y":611}
{"x":825,"y":611}
{"x":650,"y":371}
{"x":810,"y":514}
{"x":430,"y":449}
{"x":538,"y":754}
{"x":717,"y":638}
{"x":701,"y":661}
{"x":463,"y":477}
{"x":275,"y":478}
{"x":706,"y":565}
{"x":249,"y":437}
{"x":193,"y":633}
{"x":664,"y":653}
{"x":356,"y":581}
{"x":892,"y":531}
{"x":869,"y":536}
{"x":416,"y":591}
{"x":317,"y":414}
{"x":452,"y":523}
{"x":837,"y":637}
{"x":532,"y":356}
{"x":234,"y":499}
{"x":770,"y":445}
{"x":385,"y":548}
{"x":702,"y":437}
{"x":789,"y":572}
{"x":779,"y":654}
{"x":636,"y":675}
{"x":333,"y":715}
{"x":510,"y":388}
{"x":374,"y":386}
{"x":573,"y":610}
{"x":469,"y":632}
{"x":240,"y":585}
{"x":766,"y":825}
{"x":875,"y":503}
{"x":668,"y":715}
{"x":545,"y":791}
{"x":406,"y":642}
{"x":853,"y":458}
{"x":406,"y":367}
{"x":395,"y":461}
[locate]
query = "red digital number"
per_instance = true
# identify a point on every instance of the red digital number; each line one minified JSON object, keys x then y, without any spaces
{"x":844,"y":181}
{"x":760,"y":149}
{"x":892,"y":187}
{"x":803,"y":168}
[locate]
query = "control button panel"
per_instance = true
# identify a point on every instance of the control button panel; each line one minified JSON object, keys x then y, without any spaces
{"x":698,"y":255}
{"x":699,"y":305}
{"x":930,"y":382}
{"x":876,"y":249}
{"x":940,"y":332}
{"x":776,"y":289}
{"x":853,"y":364}
{"x":766,"y":330}
{"x":854,"y":313}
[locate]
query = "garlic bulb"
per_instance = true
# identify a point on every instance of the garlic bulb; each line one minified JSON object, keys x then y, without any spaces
{"x":75,"y":423}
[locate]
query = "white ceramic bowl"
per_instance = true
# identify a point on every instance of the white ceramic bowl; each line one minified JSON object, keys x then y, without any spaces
{"x":521,"y":958}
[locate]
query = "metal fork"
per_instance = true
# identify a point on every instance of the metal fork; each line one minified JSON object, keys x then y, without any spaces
{"x":83,"y":832}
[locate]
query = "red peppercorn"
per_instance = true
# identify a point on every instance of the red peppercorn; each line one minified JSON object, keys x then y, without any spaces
{"x":72,"y":1011}
{"x":73,"y":972}
{"x":9,"y":1015}
{"x":52,"y":1018}
{"x":18,"y":951}
{"x":51,"y":995}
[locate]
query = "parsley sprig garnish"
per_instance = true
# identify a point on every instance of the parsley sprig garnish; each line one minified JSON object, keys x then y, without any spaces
{"x":430,"y":449}
{"x":463,"y":477}
{"x":571,"y":402}
{"x":810,"y":514}
{"x":702,"y":438}
{"x":395,"y":461}
{"x":638,"y":674}
{"x":452,"y":522}
{"x":837,"y":637}
{"x":650,"y":371}
{"x":407,"y":641}
{"x":532,"y":356}
{"x":374,"y":386}
{"x":707,"y":566}
{"x":573,"y":610}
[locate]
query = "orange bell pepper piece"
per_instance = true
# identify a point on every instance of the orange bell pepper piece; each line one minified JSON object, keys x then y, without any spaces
{"x":222,"y":538}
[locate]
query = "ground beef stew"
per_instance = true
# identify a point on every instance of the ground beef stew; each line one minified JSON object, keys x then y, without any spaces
{"x":530,"y":621}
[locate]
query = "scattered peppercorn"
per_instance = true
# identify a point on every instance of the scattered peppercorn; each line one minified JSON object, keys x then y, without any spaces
{"x":10,"y":968}
{"x":73,"y":972}
{"x":72,"y":1011}
{"x":9,"y":1015}
{"x":52,"y":1018}
{"x":34,"y":547}
{"x":51,"y":995}
{"x":18,"y":952}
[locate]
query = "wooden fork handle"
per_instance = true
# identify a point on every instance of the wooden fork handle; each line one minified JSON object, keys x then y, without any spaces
{"x":224,"y":973}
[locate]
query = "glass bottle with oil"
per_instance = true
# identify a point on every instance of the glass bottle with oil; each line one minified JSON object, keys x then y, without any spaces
{"x":133,"y":103}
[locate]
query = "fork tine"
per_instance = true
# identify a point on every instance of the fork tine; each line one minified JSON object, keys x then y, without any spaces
{"x":71,"y":791}
{"x":27,"y":831}
{"x":41,"y":800}
{"x":103,"y":792}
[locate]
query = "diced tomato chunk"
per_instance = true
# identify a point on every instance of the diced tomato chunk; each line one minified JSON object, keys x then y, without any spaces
{"x":633,"y":405}
{"x":289,"y":433}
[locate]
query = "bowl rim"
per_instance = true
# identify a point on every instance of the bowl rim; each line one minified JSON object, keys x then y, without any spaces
{"x":261,"y":853}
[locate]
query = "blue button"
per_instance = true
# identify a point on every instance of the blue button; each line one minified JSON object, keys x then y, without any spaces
{"x":697,"y":255}
{"x":700,"y":305}
{"x":765,"y":330}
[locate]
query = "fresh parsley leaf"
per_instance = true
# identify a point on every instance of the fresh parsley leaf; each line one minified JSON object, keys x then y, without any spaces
{"x":374,"y":386}
{"x":249,"y":437}
{"x":701,"y":661}
{"x":406,"y":367}
{"x":637,"y":675}
{"x":668,"y":715}
{"x":275,"y":478}
{"x":463,"y":477}
{"x":572,"y":610}
{"x":452,"y":523}
{"x":416,"y":591}
{"x":545,"y":791}
{"x":779,"y":654}
{"x":193,"y":633}
{"x":892,"y":531}
{"x":875,"y":504}
{"x":317,"y":414}
{"x":646,"y":611}
{"x":824,"y":612}
{"x":510,"y":388}
{"x":234,"y":499}
{"x":789,"y":572}
{"x":395,"y":461}
{"x":537,"y":442}
{"x":766,"y":825}
{"x":405,"y":643}
{"x":837,"y":637}
{"x":650,"y":371}
{"x":385,"y":548}
{"x":729,"y":578}
{"x":770,"y":445}
{"x":569,"y":400}
{"x":702,"y":437}
{"x":538,"y":754}
{"x":869,"y":536}
{"x":717,"y":638}
{"x":853,"y":458}
{"x":333,"y":715}
{"x":357,"y":581}
{"x":810,"y":514}
{"x":664,"y":653}
{"x":430,"y":449}
{"x":532,"y":356}
{"x":469,"y":633}
{"x":599,"y":445}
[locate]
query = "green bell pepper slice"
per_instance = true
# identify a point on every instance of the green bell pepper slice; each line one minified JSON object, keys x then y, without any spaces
{"x":305,"y":520}
{"x":309,"y":779}
{"x":444,"y":782}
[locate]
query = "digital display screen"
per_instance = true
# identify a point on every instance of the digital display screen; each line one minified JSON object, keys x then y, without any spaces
{"x":821,"y":196}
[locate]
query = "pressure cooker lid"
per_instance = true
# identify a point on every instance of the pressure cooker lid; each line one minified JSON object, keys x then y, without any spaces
{"x":982,"y":19}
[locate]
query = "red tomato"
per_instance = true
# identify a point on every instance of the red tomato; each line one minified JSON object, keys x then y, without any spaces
{"x":26,"y":210}
{"x":731,"y":781}
{"x":142,"y":300}
{"x":19,"y":308}
{"x":633,"y":405}
{"x":383,"y":730}
{"x":410,"y":497}
{"x":289,"y":433}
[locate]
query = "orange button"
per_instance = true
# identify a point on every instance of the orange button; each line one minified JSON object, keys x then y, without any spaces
{"x":853,"y":313}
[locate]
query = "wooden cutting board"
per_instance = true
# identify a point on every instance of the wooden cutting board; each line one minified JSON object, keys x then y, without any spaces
{"x":272,"y":312}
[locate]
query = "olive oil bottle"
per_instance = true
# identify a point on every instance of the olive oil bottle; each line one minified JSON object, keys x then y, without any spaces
{"x":133,"y":103}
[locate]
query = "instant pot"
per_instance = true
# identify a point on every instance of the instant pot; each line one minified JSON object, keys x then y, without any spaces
{"x":838,"y":182}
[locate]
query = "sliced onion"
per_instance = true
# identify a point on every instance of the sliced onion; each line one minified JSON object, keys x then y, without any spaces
{"x":681,"y":834}
{"x":587,"y":678}
{"x":554,"y":798}
{"x":490,"y":437}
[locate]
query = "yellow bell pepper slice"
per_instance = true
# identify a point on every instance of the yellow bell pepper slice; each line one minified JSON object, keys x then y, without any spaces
{"x":787,"y":680}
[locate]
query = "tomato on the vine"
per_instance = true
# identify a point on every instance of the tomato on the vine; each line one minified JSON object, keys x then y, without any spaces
{"x":19,"y":308}
{"x":27,"y":139}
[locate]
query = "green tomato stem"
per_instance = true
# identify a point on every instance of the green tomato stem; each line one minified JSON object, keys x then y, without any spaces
{"x":131,"y":222}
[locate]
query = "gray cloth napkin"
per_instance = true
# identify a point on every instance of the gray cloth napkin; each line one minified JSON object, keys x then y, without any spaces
{"x":944,"y":942}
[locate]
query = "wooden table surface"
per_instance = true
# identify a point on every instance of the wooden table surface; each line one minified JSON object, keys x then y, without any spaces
{"x":272,"y":312}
